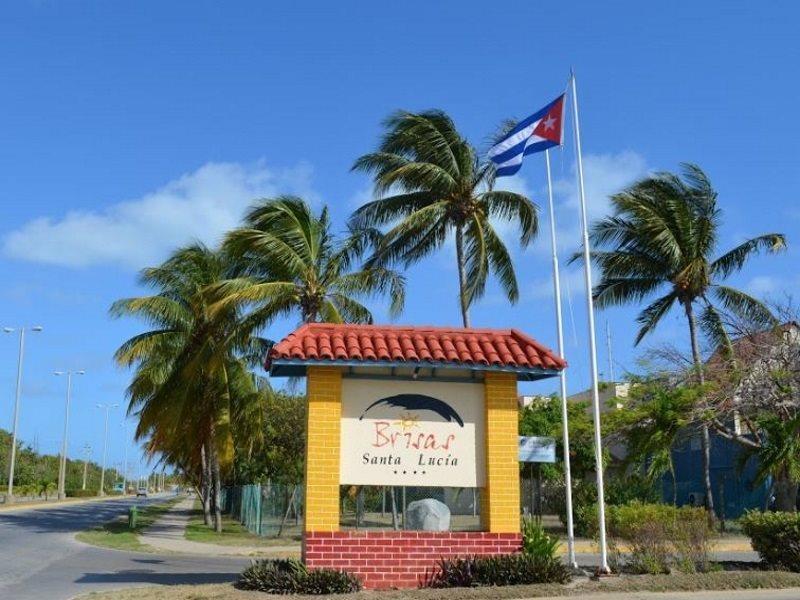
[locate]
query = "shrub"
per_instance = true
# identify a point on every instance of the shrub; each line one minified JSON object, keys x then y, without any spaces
{"x":329,"y":581}
{"x":500,"y":570}
{"x":584,"y":499}
{"x":661,"y":537}
{"x":290,"y":576}
{"x":584,"y":504}
{"x":80,"y":493}
{"x":630,"y":488}
{"x":537,"y":542}
{"x":454,"y":573}
{"x":775,"y":536}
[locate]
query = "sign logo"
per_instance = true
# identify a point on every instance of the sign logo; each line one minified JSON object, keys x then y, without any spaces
{"x":418,"y":402}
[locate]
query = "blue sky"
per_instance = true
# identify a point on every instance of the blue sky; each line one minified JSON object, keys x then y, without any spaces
{"x":127,"y":129}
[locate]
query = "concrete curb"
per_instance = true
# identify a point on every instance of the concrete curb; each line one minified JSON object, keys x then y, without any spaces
{"x":56,"y":503}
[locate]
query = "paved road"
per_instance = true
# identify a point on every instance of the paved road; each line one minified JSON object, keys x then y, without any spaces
{"x":41,"y":560}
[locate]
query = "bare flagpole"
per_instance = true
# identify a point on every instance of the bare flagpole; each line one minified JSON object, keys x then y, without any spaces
{"x":563,"y":374}
{"x":587,"y":271}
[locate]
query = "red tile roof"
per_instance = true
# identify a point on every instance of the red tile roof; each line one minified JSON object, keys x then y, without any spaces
{"x":374,"y":344}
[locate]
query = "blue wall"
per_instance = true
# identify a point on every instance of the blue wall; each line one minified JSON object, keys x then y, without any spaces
{"x":727,"y":481}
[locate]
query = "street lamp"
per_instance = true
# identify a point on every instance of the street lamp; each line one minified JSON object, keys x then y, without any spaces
{"x":62,"y":467}
{"x":37,"y":328}
{"x":87,"y":452}
{"x":125,"y":466}
{"x":107,"y":408}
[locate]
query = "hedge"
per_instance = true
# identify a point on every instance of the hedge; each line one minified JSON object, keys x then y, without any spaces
{"x":775,"y":536}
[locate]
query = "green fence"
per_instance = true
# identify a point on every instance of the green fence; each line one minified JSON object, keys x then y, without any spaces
{"x":268,"y":509}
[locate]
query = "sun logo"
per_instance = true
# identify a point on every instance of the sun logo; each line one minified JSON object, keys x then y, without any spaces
{"x":407,"y":421}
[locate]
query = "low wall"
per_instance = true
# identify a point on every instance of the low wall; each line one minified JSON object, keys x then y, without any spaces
{"x":399,"y":559}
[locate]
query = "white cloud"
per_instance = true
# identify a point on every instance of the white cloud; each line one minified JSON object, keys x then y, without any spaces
{"x":542,"y":287}
{"x":361,"y":197}
{"x":604,"y":175}
{"x":515,"y":183}
{"x":200,"y":205}
{"x":762,"y":285}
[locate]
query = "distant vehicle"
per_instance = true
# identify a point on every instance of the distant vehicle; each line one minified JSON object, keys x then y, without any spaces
{"x":141,"y":492}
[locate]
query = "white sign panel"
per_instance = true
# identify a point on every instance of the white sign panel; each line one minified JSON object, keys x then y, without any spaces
{"x":535,"y":449}
{"x":414,"y":433}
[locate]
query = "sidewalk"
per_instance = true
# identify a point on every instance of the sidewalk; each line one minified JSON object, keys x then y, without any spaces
{"x":728,"y":544}
{"x":168,"y":534}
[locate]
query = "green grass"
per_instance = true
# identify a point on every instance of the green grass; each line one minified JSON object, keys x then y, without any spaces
{"x":115,"y":534}
{"x":233,"y":534}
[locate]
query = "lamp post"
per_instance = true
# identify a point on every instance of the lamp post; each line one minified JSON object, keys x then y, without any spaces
{"x":21,"y":354}
{"x":87,"y":452}
{"x":62,"y":467}
{"x":107,"y":408}
{"x":125,"y":464}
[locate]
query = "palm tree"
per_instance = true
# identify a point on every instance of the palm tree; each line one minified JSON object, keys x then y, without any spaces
{"x":289,"y":262}
{"x":650,"y":425}
{"x":662,"y":238}
{"x":437,"y":186}
{"x":778,"y":457}
{"x":190,"y":383}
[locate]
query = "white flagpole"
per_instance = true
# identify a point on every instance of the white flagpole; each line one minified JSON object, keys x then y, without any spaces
{"x":587,"y":271}
{"x":563,"y":375}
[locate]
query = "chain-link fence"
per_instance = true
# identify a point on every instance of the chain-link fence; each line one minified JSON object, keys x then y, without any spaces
{"x":379,"y":507}
{"x":268,"y":509}
{"x":276,"y":510}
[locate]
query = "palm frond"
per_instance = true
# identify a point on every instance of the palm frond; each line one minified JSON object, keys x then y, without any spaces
{"x":614,"y":291}
{"x":510,"y":206}
{"x":713,"y":327}
{"x":744,"y":306}
{"x":652,"y":315}
{"x":384,"y":211}
{"x":502,"y":264}
{"x":734,"y":260}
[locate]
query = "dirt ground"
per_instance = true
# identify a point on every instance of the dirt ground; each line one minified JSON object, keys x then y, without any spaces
{"x":613,"y":586}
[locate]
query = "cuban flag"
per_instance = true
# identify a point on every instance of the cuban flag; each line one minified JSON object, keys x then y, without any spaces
{"x":540,"y":131}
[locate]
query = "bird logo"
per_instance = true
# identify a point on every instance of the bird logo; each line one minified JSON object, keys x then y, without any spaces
{"x":418,"y":402}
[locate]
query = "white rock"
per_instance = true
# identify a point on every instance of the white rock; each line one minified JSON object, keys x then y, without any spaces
{"x":427,"y":515}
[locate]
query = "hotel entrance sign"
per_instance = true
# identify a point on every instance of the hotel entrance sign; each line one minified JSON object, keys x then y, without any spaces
{"x":412,"y":433}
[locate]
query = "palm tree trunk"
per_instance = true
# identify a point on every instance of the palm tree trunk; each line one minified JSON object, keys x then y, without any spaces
{"x":205,"y":486}
{"x":785,"y":492}
{"x":674,"y":481}
{"x":216,"y":494}
{"x":462,"y":275}
{"x":289,"y":505}
{"x":705,"y":437}
{"x":213,"y":459}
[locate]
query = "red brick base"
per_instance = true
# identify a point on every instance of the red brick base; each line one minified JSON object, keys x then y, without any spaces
{"x":399,"y":559}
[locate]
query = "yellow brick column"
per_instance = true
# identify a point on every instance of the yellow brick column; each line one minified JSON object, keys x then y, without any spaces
{"x":500,"y":497}
{"x":324,"y":390}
